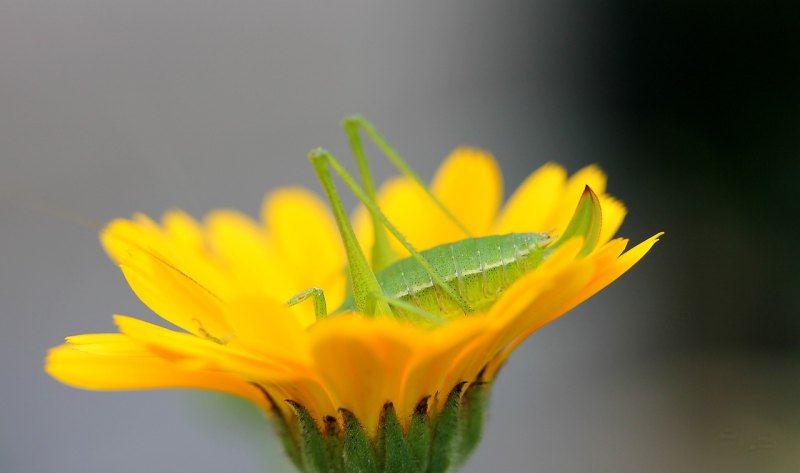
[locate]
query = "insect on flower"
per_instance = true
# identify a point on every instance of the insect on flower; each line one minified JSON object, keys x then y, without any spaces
{"x":396,"y":377}
{"x":451,"y":279}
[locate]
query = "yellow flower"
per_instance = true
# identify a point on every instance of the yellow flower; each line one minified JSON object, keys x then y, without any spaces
{"x":224,"y":283}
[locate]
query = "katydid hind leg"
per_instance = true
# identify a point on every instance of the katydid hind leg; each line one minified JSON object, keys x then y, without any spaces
{"x":322,"y":160}
{"x":363,"y":281}
{"x":382,"y":254}
{"x":352,"y":125}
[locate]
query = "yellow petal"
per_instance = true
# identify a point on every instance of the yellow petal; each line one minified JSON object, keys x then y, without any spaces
{"x":613,"y":214}
{"x":182,"y":229}
{"x":192,"y":352}
{"x":269,"y":328}
{"x":120,"y":237}
{"x":362,"y":361}
{"x":470,"y":185}
{"x":176,"y":297}
{"x":597,"y":271}
{"x":609,"y":273}
{"x":304,"y":232}
{"x":106,"y":344}
{"x":544,"y":309}
{"x":241,"y":248}
{"x":306,"y":247}
{"x":175,"y":282}
{"x":470,"y":362}
{"x":530,"y":207}
{"x":559,"y":289}
{"x":435,"y":359}
{"x":534,"y":298}
{"x":121,"y":363}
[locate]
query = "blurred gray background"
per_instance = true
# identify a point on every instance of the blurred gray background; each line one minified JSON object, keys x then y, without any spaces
{"x":688,"y":363}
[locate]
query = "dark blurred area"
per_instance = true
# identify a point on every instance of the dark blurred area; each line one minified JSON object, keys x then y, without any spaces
{"x":706,"y":100}
{"x":687,"y":363}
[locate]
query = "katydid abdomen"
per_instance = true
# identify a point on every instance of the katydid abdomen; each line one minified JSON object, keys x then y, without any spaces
{"x":477,"y":269}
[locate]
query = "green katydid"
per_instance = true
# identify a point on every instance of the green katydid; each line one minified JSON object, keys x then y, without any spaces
{"x":441,"y":282}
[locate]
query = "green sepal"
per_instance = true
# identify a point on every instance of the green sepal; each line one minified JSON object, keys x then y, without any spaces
{"x":392,"y":446}
{"x":445,"y":437}
{"x":471,"y":419}
{"x":358,"y":454}
{"x":420,"y":434}
{"x":334,"y":439}
{"x":286,"y":431}
{"x":314,"y":452}
{"x":379,"y":443}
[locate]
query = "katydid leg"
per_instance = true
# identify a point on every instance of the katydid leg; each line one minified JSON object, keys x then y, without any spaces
{"x":382,"y":254}
{"x":352,"y":125}
{"x":362,"y":278}
{"x":322,"y":160}
{"x":320,"y":307}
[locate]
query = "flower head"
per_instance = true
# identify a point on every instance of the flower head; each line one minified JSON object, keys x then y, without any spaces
{"x":223,"y":283}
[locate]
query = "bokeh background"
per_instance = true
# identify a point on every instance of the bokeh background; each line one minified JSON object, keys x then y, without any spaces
{"x":688,"y":363}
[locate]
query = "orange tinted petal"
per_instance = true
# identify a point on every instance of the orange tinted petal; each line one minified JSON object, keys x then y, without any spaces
{"x":362,"y":361}
{"x":607,"y":274}
{"x":435,"y":359}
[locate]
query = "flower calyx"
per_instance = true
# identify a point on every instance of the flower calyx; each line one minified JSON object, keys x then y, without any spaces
{"x":436,"y":440}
